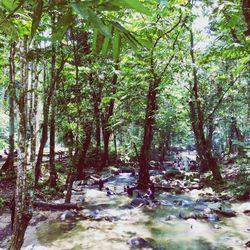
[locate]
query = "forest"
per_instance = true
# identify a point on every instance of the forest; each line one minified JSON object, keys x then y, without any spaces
{"x":125,"y":124}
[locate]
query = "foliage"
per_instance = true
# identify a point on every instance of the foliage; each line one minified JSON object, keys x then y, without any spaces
{"x":2,"y":202}
{"x":240,"y":187}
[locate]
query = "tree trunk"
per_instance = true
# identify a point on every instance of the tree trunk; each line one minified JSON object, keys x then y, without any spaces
{"x":52,"y":169}
{"x":235,"y":134}
{"x":33,"y":110}
{"x":85,"y":147}
{"x":11,"y":106}
{"x":71,"y":179}
{"x":46,"y":109}
{"x":246,"y":13}
{"x":197,"y":119}
{"x":106,"y":131}
{"x":148,"y":133}
{"x":115,"y":146}
{"x":97,"y":127}
{"x":22,"y":212}
{"x":106,"y":136}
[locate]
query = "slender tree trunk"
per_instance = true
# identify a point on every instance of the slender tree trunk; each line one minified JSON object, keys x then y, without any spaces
{"x":115,"y":146}
{"x":246,"y":13}
{"x":196,"y":114}
{"x":148,"y":132}
{"x":85,"y":147}
{"x":33,"y":111}
{"x":12,"y":105}
{"x":106,"y":136}
{"x":46,"y":109}
{"x":97,"y":127}
{"x":235,"y":134}
{"x":106,"y":131}
{"x":53,"y":175}
{"x":22,"y":212}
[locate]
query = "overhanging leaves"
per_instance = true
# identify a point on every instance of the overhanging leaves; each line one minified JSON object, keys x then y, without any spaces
{"x":62,"y":26}
{"x":36,"y":17}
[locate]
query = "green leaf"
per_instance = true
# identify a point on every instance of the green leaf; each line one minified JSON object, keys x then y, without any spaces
{"x":10,"y":5}
{"x":8,"y":28}
{"x":97,"y":23}
{"x":98,"y":39}
{"x":132,"y":4}
{"x":36,"y":17}
{"x":81,"y":9}
{"x":62,"y":26}
{"x":127,"y":35}
{"x":105,"y":46}
{"x":116,"y":45}
{"x":94,"y":43}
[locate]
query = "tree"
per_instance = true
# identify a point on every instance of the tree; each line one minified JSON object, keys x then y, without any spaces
{"x":22,"y":201}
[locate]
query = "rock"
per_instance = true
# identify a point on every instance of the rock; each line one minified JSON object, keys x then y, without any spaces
{"x":213,"y":217}
{"x":67,"y":214}
{"x":216,"y":226}
{"x":138,"y":242}
{"x":245,"y":208}
{"x":192,"y":215}
{"x":247,"y":244}
{"x":227,"y":212}
{"x":209,"y":199}
{"x":183,"y":203}
{"x":166,"y":203}
{"x":200,"y":207}
{"x":177,"y":190}
{"x":171,"y":217}
{"x":173,"y":173}
{"x":139,"y":202}
{"x":214,"y":206}
{"x":82,"y":201}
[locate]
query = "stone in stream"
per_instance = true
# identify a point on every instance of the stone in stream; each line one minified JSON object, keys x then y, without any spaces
{"x":192,"y":215}
{"x":173,"y":173}
{"x":245,"y":208}
{"x":67,"y":214}
{"x":139,"y":202}
{"x":183,"y":203}
{"x":166,"y":203}
{"x":171,"y":217}
{"x":227,"y":212}
{"x":138,"y":242}
{"x":247,"y":244}
{"x":213,"y":217}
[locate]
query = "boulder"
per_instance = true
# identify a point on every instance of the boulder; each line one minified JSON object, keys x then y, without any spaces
{"x":139,"y":202}
{"x":227,"y":212}
{"x":193,"y":215}
{"x":247,"y":244}
{"x":245,"y":208}
{"x":174,"y":173}
{"x":166,"y":203}
{"x":171,"y":217}
{"x":183,"y":203}
{"x":213,"y":217}
{"x":67,"y":214}
{"x":138,"y":242}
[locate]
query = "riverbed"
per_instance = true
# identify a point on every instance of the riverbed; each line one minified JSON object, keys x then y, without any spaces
{"x":108,"y":222}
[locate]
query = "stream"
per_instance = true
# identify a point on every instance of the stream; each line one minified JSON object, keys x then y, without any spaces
{"x":109,"y":222}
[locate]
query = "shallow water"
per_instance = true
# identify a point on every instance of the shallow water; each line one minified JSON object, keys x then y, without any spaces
{"x":146,"y":222}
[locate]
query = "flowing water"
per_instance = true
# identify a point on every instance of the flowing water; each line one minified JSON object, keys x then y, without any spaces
{"x":115,"y":223}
